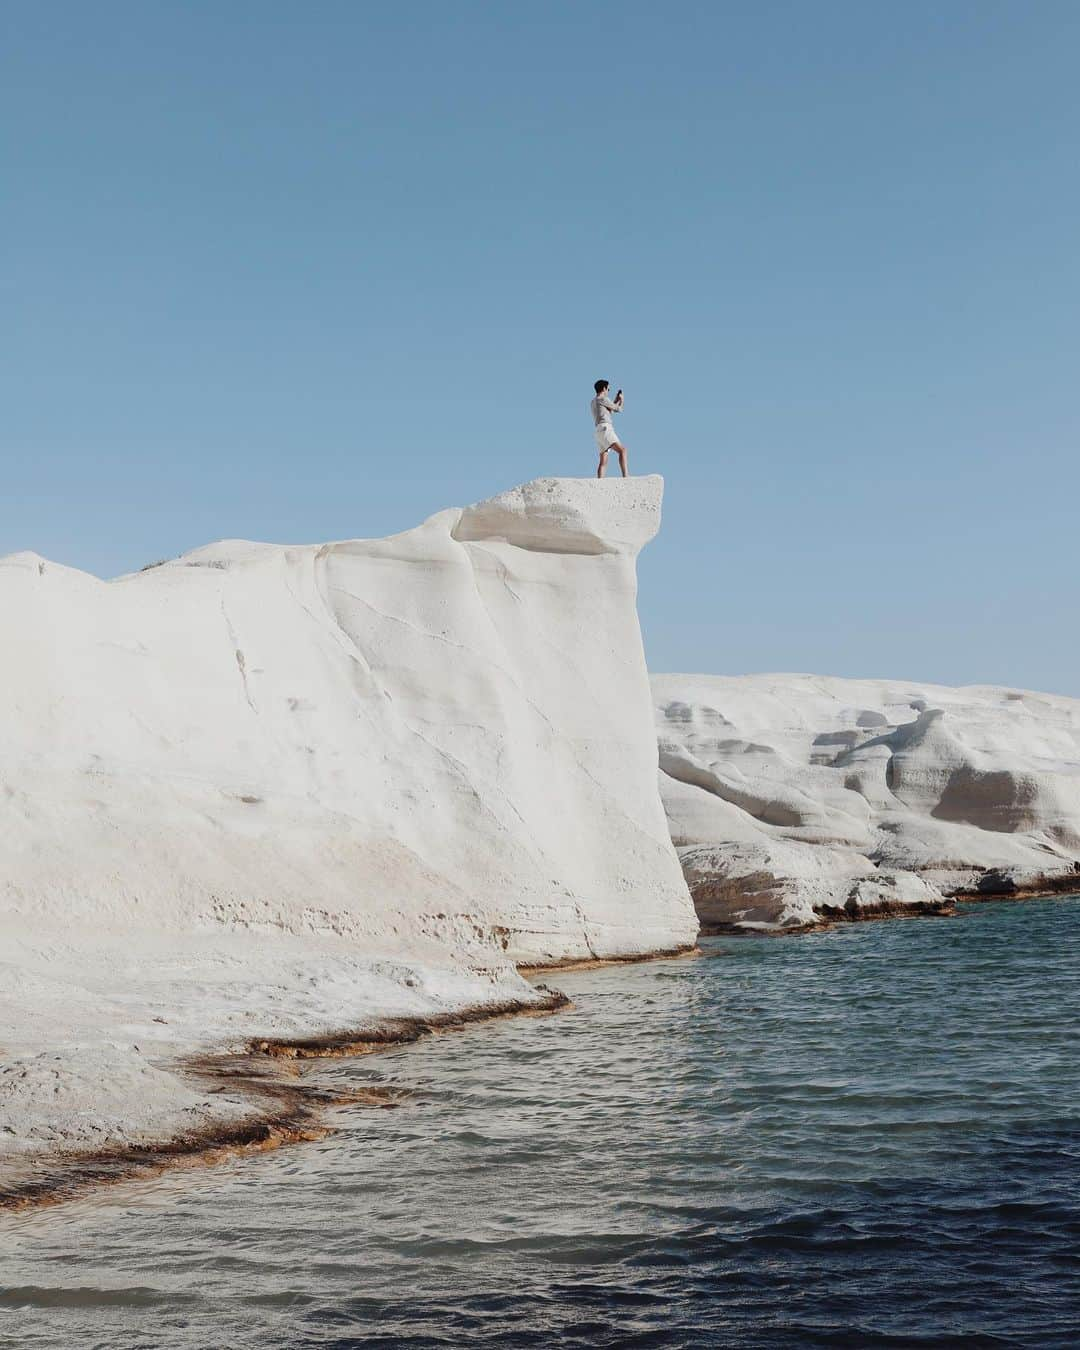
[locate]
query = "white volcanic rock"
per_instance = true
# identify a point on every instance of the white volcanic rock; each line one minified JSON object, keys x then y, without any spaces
{"x":286,"y":790}
{"x":775,"y":883}
{"x":793,"y":798}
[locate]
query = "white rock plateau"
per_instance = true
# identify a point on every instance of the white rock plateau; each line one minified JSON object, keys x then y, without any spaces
{"x":797,"y":798}
{"x":266,"y":790}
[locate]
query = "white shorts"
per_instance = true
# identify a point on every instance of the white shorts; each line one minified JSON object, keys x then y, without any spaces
{"x":605,"y":436}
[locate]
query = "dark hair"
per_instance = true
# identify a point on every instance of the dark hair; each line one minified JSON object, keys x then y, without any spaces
{"x":602,"y":384}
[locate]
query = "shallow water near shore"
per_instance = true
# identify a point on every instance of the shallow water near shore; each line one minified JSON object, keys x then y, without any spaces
{"x":868,"y":1136}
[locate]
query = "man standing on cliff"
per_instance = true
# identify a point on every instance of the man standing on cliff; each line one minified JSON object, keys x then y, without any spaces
{"x":602,"y":407}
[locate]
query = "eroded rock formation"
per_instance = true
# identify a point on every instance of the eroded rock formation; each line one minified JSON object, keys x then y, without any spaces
{"x":267,"y":790}
{"x":797,"y":798}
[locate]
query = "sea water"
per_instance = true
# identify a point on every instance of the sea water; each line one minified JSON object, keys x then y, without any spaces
{"x":863,"y":1137}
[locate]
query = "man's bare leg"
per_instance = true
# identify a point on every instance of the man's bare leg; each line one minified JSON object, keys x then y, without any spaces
{"x":620,"y":450}
{"x":603,"y":464}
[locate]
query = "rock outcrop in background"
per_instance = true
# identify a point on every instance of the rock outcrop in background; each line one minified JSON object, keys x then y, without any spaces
{"x":798,"y":798}
{"x":274,"y":790}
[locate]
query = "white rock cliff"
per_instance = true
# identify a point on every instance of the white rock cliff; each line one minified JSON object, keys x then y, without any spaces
{"x":793,"y":798}
{"x":282,"y":790}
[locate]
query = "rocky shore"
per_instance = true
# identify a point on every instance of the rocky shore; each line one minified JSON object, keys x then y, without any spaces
{"x":796,"y":800}
{"x":264,"y":804}
{"x":262,"y":794}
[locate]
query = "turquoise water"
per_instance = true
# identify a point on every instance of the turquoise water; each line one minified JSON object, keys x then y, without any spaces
{"x":865,"y":1137}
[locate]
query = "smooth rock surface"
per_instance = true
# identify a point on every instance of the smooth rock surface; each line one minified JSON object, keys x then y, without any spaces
{"x":288,"y":790}
{"x":793,"y":798}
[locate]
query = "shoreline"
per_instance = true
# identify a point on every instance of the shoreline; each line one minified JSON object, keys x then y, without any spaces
{"x":291,"y":1112}
{"x":285,"y":1110}
{"x":944,"y":910}
{"x":1069,"y":884}
{"x":598,"y":962}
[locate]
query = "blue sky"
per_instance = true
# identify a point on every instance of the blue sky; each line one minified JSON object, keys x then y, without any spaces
{"x":300,"y":272}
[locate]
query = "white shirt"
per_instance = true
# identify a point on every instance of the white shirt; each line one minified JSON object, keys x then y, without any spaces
{"x":602,"y":407}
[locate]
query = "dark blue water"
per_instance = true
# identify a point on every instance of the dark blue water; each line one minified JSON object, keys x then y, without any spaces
{"x":867,"y":1137}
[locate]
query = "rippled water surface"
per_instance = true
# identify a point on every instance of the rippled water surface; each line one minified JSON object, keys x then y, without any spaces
{"x":867,"y":1137}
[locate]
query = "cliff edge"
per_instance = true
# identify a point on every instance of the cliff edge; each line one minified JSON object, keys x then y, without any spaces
{"x":267,"y":790}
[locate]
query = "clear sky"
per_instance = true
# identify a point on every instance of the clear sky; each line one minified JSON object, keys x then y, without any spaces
{"x":302,"y":271}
